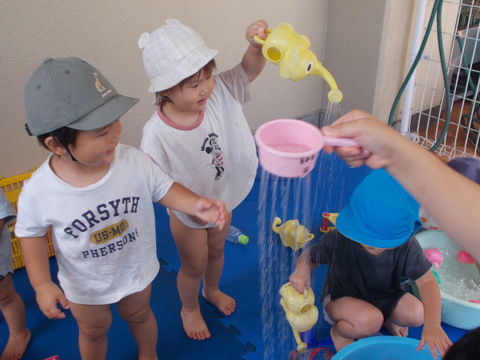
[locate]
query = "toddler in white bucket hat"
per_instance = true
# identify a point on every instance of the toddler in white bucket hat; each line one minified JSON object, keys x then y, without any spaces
{"x":198,"y":135}
{"x":172,"y":53}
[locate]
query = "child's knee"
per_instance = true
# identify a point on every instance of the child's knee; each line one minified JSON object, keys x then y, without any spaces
{"x":216,"y":252}
{"x":415,"y":317}
{"x":369,"y":323}
{"x":365,"y":323}
{"x":140,"y":316}
{"x":7,"y":291}
{"x":195,"y":267}
{"x":94,"y":332}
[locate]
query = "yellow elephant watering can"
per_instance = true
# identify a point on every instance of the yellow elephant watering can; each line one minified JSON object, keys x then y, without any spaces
{"x":290,"y":51}
{"x":291,"y":233}
{"x":300,"y":311}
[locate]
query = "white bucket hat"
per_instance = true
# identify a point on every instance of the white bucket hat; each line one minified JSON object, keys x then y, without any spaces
{"x":172,"y":53}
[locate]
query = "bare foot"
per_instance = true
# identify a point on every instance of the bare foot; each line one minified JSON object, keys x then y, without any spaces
{"x":339,"y":341}
{"x":395,"y":329}
{"x":220,"y":300}
{"x":194,"y":325}
{"x":16,"y":346}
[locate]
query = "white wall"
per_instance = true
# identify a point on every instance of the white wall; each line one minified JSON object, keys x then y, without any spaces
{"x":105,"y":34}
{"x":353,"y":45}
{"x":347,"y":36}
{"x":394,"y":55}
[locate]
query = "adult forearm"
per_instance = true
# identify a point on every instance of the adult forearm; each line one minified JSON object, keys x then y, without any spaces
{"x":450,"y":198}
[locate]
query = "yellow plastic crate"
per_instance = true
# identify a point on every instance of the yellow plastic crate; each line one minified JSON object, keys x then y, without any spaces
{"x":12,"y":187}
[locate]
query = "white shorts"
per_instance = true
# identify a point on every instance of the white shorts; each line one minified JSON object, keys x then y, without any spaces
{"x":326,"y":317}
{"x":188,"y":221}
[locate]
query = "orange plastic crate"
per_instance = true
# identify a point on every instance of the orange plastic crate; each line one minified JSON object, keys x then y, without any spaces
{"x":12,"y":187}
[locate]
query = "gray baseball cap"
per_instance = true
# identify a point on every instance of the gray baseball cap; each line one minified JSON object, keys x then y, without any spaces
{"x":69,"y":92}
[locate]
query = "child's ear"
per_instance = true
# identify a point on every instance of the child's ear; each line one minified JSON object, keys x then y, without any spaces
{"x":54,"y":146}
{"x":164,"y":93}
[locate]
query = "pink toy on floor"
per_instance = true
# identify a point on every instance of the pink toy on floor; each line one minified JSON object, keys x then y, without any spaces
{"x":465,"y":258}
{"x":434,"y":256}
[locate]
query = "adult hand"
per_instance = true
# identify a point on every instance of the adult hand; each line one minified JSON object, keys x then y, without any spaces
{"x":378,"y":141}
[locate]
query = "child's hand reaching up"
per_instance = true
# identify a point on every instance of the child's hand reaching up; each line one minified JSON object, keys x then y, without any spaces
{"x":258,"y":28}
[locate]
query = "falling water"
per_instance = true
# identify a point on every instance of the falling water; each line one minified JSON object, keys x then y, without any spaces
{"x":325,"y":189}
{"x":287,"y":198}
{"x":330,"y":194}
{"x":334,"y":111}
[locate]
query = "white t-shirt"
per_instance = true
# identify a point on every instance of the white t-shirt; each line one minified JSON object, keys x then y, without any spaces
{"x":216,"y":157}
{"x":104,"y":233}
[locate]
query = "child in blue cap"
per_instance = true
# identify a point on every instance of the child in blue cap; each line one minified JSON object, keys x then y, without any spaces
{"x":369,"y":255}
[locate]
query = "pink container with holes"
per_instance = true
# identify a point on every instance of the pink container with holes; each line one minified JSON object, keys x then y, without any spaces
{"x":289,"y":147}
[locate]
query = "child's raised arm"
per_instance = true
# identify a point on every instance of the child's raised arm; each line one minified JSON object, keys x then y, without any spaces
{"x":253,"y":60}
{"x":35,"y":256}
{"x":181,"y":199}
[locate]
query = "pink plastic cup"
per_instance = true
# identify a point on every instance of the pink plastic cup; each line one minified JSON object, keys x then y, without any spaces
{"x":289,"y":147}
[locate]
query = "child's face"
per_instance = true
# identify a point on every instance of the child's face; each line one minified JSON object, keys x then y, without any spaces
{"x":193,"y":94}
{"x":97,"y":147}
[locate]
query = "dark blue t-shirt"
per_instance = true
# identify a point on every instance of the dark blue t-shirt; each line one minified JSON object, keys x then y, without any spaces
{"x":353,"y":271}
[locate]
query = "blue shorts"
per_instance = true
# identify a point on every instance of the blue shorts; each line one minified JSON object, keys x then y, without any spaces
{"x":6,"y":264}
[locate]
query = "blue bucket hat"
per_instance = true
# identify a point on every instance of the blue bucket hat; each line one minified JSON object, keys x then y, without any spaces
{"x":381,"y":213}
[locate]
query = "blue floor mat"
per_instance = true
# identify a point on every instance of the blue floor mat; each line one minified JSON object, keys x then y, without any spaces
{"x":242,"y":335}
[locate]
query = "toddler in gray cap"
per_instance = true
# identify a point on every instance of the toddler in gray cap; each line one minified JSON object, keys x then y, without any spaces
{"x":95,"y":195}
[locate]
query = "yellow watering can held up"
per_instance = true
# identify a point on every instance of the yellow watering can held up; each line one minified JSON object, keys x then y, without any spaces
{"x":290,"y":51}
{"x":291,"y":233}
{"x":300,"y":311}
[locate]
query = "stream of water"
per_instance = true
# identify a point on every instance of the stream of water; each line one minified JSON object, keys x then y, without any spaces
{"x":326,"y":188}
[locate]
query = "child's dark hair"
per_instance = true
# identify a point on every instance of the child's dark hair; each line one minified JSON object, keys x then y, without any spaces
{"x":65,"y":137}
{"x":207,"y":69}
{"x":467,"y":348}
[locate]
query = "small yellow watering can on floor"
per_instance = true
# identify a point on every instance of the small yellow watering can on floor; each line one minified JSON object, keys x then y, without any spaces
{"x":300,"y":311}
{"x":290,"y":51}
{"x":291,"y":233}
